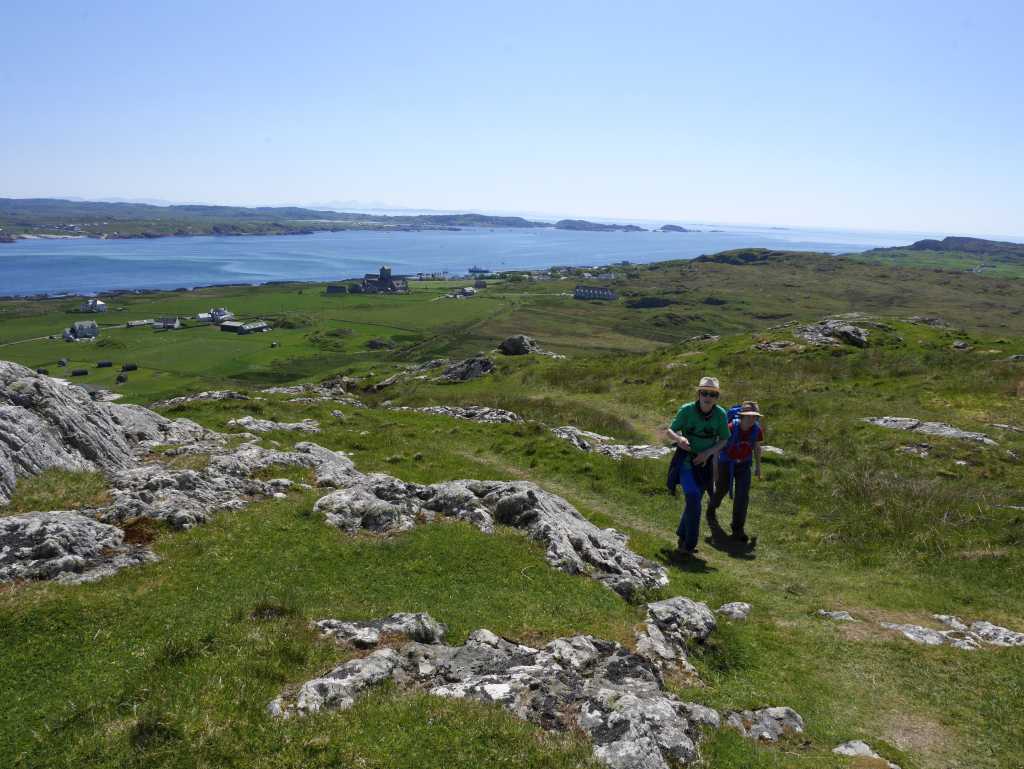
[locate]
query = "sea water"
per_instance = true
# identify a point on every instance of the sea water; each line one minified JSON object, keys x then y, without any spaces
{"x":88,"y":265}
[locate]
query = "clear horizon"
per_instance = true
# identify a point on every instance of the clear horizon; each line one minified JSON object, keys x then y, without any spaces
{"x":852,"y":116}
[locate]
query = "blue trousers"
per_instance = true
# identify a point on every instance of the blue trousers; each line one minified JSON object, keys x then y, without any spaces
{"x":695,"y":480}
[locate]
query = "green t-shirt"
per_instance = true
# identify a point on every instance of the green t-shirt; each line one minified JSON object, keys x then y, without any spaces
{"x":700,"y":432}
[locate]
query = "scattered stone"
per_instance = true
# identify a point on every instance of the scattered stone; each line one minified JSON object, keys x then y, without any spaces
{"x":266,"y":425}
{"x":917,"y":449}
{"x":777,"y":346}
{"x":860,"y":749}
{"x":520,"y":344}
{"x":938,"y":429}
{"x":765,"y":725}
{"x":581,"y":439}
{"x":831,"y":332}
{"x":960,"y":344}
{"x":1014,"y":358}
{"x":64,"y":546}
{"x":206,"y":395}
{"x":765,"y":448}
{"x":581,"y":683}
{"x":419,"y":627}
{"x":737,"y":610}
{"x":1011,"y":428}
{"x":471,"y":368}
{"x":484,"y":414}
{"x":838,"y":616}
{"x":929,"y":320}
{"x":702,"y":338}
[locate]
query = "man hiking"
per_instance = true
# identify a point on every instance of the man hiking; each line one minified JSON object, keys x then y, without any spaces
{"x":743,"y":449}
{"x":700,"y":429}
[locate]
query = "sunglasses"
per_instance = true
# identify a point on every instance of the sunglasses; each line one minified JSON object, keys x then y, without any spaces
{"x":707,"y":393}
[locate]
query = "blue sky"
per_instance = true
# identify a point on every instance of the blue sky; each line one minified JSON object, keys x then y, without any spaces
{"x":869,"y":115}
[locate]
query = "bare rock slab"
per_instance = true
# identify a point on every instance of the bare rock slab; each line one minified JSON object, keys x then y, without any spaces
{"x":255,"y":425}
{"x":613,"y":696}
{"x":64,"y":546}
{"x":939,"y":429}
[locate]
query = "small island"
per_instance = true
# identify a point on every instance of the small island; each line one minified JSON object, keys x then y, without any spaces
{"x":584,"y":225}
{"x":674,"y":228}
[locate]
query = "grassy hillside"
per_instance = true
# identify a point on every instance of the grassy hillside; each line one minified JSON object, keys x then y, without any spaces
{"x":173,"y":664}
{"x":991,"y":257}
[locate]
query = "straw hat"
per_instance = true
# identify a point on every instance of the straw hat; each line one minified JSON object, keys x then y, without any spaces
{"x":708,"y":383}
{"x":749,"y":409}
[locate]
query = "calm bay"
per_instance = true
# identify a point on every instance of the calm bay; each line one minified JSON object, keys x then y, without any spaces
{"x":85,"y":265}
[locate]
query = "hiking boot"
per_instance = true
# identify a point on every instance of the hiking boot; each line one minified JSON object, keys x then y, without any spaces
{"x":712,"y":517}
{"x":740,"y":536}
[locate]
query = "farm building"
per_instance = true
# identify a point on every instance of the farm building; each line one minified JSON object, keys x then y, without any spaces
{"x":337,"y":288}
{"x":93,"y":305}
{"x":82,"y":329}
{"x":167,"y":324}
{"x":254,"y":327}
{"x":594,"y":292}
{"x":232,"y":326}
{"x":139,"y":323}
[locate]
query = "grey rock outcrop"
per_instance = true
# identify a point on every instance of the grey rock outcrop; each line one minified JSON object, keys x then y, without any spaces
{"x":464,"y":370}
{"x":766,"y":724}
{"x":484,"y":414}
{"x":266,"y":425}
{"x":520,"y":344}
{"x":45,"y":424}
{"x":832,"y":332}
{"x":384,"y":504}
{"x":613,"y":696}
{"x":938,"y":429}
{"x":64,"y":546}
{"x":603,"y":444}
{"x":959,"y":639}
{"x":420,"y":627}
{"x":206,"y":395}
{"x":984,"y":631}
{"x":670,"y":626}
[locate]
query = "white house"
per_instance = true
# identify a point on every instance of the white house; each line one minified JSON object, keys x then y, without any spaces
{"x":93,"y":305}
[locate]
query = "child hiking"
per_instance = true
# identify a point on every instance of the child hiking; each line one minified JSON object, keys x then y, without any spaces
{"x":733,"y":468}
{"x":700,"y":430}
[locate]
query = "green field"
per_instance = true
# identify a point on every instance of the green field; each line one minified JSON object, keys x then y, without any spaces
{"x":173,"y":664}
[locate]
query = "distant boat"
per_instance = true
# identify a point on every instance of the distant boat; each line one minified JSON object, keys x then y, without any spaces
{"x":474,"y":269}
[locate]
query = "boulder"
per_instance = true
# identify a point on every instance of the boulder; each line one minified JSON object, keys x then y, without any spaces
{"x":206,"y":395}
{"x":838,"y":616}
{"x":671,"y":625}
{"x":464,"y":370}
{"x":737,"y":610}
{"x":520,"y":344}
